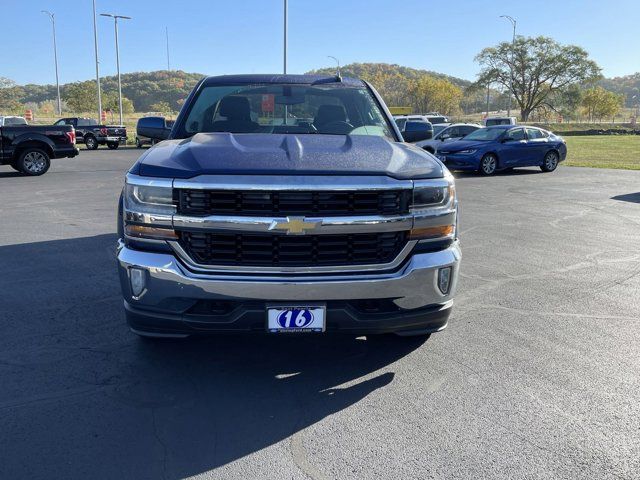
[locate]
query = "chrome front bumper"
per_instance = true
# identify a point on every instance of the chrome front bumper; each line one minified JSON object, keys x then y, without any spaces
{"x":171,"y":289}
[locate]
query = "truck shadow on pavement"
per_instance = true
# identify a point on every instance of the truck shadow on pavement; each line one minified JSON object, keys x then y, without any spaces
{"x":82,"y":397}
{"x":628,"y":197}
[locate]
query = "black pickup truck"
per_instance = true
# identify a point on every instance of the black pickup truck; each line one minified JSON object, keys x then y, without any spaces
{"x":30,"y":148}
{"x":92,"y":134}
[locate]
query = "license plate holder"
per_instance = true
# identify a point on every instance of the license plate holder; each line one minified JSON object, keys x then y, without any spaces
{"x":297,"y":318}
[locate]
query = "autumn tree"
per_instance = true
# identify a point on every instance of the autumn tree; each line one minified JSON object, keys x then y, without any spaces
{"x":541,"y":67}
{"x":600,"y":103}
{"x":434,"y":94}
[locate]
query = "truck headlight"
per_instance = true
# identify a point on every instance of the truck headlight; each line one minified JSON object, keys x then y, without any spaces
{"x":434,"y":208}
{"x":149,"y":199}
{"x":428,"y":194}
{"x":148,"y":209}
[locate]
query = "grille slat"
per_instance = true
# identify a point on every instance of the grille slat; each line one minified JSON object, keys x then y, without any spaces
{"x":319,"y":203}
{"x":210,"y":248}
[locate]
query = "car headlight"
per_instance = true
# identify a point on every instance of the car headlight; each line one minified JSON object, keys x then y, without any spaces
{"x":148,"y":209}
{"x":467,"y":152}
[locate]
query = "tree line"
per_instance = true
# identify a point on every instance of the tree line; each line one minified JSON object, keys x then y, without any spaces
{"x":545,"y":79}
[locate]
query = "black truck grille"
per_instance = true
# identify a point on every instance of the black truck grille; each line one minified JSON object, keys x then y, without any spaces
{"x":319,"y":203}
{"x":268,"y":250}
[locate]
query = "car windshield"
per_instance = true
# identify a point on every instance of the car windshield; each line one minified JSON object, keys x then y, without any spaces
{"x":334,"y":109}
{"x":438,"y":128}
{"x":485,"y":134}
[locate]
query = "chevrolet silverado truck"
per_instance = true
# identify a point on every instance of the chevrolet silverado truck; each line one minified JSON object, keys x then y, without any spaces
{"x":30,"y":148}
{"x":287,"y":204}
{"x":93,"y":134}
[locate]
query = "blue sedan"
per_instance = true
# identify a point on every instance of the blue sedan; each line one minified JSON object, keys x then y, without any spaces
{"x":491,"y":149}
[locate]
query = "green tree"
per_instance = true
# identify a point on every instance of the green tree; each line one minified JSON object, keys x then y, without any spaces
{"x":110,"y":103}
{"x":541,"y":68}
{"x":161,"y":107}
{"x":600,"y":103}
{"x":81,"y":97}
{"x":10,"y":99}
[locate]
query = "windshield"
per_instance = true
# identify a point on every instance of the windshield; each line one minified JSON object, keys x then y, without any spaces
{"x":438,"y":128}
{"x":485,"y":134}
{"x":333,"y":109}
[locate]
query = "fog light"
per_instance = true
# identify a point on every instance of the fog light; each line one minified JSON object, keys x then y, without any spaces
{"x":138,"y":280}
{"x":444,"y":279}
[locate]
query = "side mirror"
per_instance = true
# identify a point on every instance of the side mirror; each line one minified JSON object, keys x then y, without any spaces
{"x":417,"y":131}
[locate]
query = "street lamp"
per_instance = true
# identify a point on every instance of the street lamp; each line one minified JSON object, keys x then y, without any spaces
{"x":115,"y":24}
{"x":286,"y":27}
{"x":513,"y":53}
{"x":95,"y":46}
{"x":55,"y":57}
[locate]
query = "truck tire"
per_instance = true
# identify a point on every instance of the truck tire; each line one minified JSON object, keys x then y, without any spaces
{"x":113,"y":145}
{"x":33,"y":162}
{"x":138,"y":143}
{"x":90,"y":142}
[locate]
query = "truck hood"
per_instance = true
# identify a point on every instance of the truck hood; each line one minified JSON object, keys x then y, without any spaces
{"x":273,"y":154}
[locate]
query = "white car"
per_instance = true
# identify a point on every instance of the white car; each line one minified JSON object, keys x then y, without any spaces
{"x":493,"y":121}
{"x":452,"y":132}
{"x":10,"y":120}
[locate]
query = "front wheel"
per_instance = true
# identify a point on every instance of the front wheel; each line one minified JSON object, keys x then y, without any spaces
{"x":113,"y":145}
{"x":550,"y":162}
{"x":488,"y":164}
{"x":33,"y":162}
{"x":138,"y":143}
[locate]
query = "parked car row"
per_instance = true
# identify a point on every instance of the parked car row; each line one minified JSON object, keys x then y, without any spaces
{"x":500,"y":144}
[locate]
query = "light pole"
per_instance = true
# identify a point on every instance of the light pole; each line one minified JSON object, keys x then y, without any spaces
{"x":286,"y":27}
{"x":115,"y":26}
{"x":513,"y":55}
{"x":166,"y":31}
{"x":95,"y":44}
{"x":55,"y":57}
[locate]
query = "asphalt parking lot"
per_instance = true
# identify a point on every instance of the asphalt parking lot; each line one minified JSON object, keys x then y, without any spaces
{"x":537,"y":376}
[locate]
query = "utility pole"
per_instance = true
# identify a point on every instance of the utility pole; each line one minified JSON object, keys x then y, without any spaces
{"x":513,"y":56}
{"x":55,"y":57}
{"x":166,"y":31}
{"x":95,"y":44}
{"x":115,"y":25}
{"x":286,"y":27}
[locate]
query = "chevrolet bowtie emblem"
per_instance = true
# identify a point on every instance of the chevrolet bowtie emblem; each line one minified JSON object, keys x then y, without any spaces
{"x":295,"y":225}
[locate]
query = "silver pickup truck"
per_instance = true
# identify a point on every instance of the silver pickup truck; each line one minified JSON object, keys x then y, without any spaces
{"x":287,"y":204}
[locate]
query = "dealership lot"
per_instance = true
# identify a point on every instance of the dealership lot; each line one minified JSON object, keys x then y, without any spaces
{"x":536,"y":376}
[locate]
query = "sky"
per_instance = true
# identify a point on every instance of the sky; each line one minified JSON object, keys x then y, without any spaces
{"x":245,"y":36}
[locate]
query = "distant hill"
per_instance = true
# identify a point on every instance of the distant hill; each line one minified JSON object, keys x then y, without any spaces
{"x":370,"y":70}
{"x":144,"y":89}
{"x":629,"y":85}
